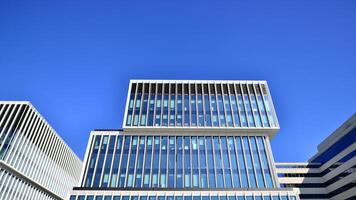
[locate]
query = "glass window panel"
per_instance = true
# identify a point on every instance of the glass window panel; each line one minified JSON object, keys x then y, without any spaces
{"x":116,"y":162}
{"x":226,"y":162}
{"x":132,"y":160}
{"x":179,"y":179}
{"x":232,"y":198}
{"x":144,"y":110}
{"x":269,"y":110}
{"x":134,"y":197}
{"x":172,"y":109}
{"x":155,"y":168}
{"x":139,"y":165}
{"x":221,"y":111}
{"x":195,"y":162}
{"x":148,"y":158}
{"x":234,"y":162}
{"x":203,"y":168}
{"x":108,"y":164}
{"x":228,"y":110}
{"x":250,"y":166}
{"x":193,"y":108}
{"x":255,"y":110}
{"x":100,"y":163}
{"x":158,"y":109}
{"x":214,"y":110}
{"x":257,"y":164}
{"x":241,"y":158}
{"x":258,"y":197}
{"x":179,"y":110}
{"x":151,"y":110}
{"x":165,"y":110}
{"x":116,"y":197}
{"x":249,"y":110}
{"x":218,"y":163}
{"x":284,"y":198}
{"x":72,"y":197}
{"x":266,"y":198}
{"x":263,"y":110}
{"x":209,"y":146}
{"x":200,"y":110}
{"x":107,"y":198}
{"x":98,"y":197}
{"x":235,"y":110}
{"x":163,"y":168}
{"x":242,"y":111}
{"x":186,"y":109}
{"x":207,"y":110}
{"x":265,"y":165}
{"x":92,"y":161}
{"x":90,"y":197}
{"x":249,"y":197}
{"x":124,"y":160}
{"x":275,"y":197}
{"x":241,"y":198}
{"x":171,"y":161}
{"x":187,"y":163}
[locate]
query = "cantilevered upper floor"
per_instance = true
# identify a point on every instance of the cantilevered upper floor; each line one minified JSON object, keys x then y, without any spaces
{"x":200,"y":105}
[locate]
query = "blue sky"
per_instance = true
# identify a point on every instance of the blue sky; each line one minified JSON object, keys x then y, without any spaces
{"x":73,"y":59}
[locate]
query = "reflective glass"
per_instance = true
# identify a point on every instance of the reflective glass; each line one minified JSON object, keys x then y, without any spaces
{"x":257,"y":162}
{"x":186,"y":109}
{"x":187,"y":163}
{"x":148,"y":158}
{"x":155,"y":168}
{"x":209,"y":146}
{"x":163,"y":168}
{"x":108,"y":164}
{"x":218,"y":163}
{"x":171,"y":161}
{"x":139,"y":165}
{"x":100,"y":163}
{"x":234,"y":162}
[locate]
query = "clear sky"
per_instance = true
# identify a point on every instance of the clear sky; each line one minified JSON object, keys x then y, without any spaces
{"x":73,"y":59}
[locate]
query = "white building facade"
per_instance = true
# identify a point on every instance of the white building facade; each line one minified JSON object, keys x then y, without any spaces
{"x":187,"y":140}
{"x":35,"y":163}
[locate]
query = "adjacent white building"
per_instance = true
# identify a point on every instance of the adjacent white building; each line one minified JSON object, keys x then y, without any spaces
{"x":35,"y":163}
{"x":331,"y":172}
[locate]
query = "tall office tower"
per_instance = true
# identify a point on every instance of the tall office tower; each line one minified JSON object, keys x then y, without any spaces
{"x":187,"y":140}
{"x":331,"y":173}
{"x":35,"y":163}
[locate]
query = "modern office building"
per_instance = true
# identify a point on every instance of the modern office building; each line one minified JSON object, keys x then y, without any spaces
{"x":35,"y":163}
{"x":187,"y":140}
{"x":331,"y":172}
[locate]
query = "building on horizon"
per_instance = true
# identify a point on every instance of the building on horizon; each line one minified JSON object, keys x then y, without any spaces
{"x":35,"y":163}
{"x":187,"y":140}
{"x":331,"y":172}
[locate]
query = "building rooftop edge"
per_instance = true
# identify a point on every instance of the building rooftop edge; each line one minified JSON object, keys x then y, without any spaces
{"x":44,"y":119}
{"x":342,"y":130}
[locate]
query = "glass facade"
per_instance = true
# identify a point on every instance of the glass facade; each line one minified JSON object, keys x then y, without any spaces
{"x":180,"y":197}
{"x":205,"y":104}
{"x":178,"y":162}
{"x":187,"y":140}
